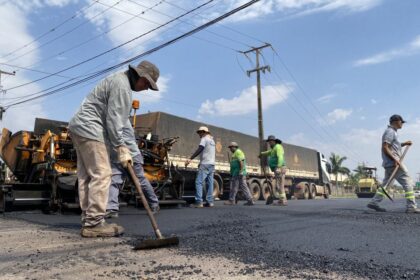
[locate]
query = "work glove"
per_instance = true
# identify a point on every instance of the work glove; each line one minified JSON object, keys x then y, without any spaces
{"x":124,"y":156}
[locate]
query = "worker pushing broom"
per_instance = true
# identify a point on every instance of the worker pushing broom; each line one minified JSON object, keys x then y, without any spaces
{"x":98,"y":126}
{"x":392,"y":157}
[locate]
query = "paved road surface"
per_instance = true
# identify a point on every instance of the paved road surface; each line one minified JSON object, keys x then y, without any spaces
{"x":314,"y":239}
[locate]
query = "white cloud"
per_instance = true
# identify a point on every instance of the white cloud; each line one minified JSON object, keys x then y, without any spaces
{"x":133,"y":26}
{"x":326,"y":98}
{"x":409,"y":49}
{"x":297,"y":7}
{"x":374,"y":101}
{"x":151,"y":96}
{"x":338,"y":115}
{"x":14,"y":36}
{"x":246,"y":102}
{"x":15,"y":15}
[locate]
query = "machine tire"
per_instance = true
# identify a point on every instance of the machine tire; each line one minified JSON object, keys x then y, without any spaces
{"x":306,"y":192}
{"x":255,"y":188}
{"x":312,"y":191}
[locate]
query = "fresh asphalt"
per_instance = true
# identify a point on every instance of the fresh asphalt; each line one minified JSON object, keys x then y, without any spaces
{"x":339,"y":236}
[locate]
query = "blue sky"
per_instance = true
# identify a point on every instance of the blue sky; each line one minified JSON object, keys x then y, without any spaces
{"x":354,"y":64}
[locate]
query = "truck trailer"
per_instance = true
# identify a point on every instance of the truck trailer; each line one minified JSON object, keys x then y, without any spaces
{"x":307,"y":175}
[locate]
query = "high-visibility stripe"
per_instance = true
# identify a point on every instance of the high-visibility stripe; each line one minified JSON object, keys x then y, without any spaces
{"x":410,"y":197}
{"x":380,"y":193}
{"x":407,"y":193}
{"x":282,"y":195}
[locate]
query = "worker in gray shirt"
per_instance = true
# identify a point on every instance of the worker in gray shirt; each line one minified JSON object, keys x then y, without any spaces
{"x":119,"y":174}
{"x":96,"y":128}
{"x":391,"y":155}
{"x":207,"y":152}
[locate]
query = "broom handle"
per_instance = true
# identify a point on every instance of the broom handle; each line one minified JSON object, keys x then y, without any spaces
{"x":391,"y":178}
{"x":143,"y":200}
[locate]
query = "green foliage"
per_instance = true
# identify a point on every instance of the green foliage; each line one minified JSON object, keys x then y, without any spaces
{"x":337,"y":166}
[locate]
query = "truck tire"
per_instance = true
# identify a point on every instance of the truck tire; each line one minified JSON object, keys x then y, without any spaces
{"x":306,"y":192}
{"x":216,"y":189}
{"x":327,"y":192}
{"x":265,"y":188}
{"x":255,"y":188}
{"x":2,"y":202}
{"x":312,"y":191}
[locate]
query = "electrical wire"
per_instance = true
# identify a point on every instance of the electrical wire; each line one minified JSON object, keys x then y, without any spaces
{"x":150,"y":51}
{"x":191,"y":24}
{"x":92,"y":38}
{"x":110,"y":50}
{"x":53,"y":29}
{"x":331,"y":131}
{"x":66,"y":33}
{"x":221,"y":24}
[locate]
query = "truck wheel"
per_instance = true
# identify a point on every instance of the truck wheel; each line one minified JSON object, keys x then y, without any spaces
{"x":327,"y":192}
{"x":306,"y":192}
{"x":265,"y":188}
{"x":2,"y":202}
{"x":312,"y":191}
{"x":216,"y":190}
{"x":255,"y":189}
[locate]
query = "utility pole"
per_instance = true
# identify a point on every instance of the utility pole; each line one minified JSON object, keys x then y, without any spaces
{"x":3,"y":92}
{"x":258,"y":69}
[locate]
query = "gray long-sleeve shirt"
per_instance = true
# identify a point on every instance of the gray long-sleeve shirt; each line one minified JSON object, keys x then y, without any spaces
{"x":104,"y":112}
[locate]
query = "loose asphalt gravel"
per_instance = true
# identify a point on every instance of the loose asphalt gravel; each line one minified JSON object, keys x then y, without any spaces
{"x":314,"y":239}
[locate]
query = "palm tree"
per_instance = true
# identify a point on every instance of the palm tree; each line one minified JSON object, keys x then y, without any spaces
{"x":336,"y":166}
{"x":360,"y":172}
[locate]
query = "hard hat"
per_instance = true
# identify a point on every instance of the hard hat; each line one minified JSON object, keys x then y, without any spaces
{"x":233,"y":144}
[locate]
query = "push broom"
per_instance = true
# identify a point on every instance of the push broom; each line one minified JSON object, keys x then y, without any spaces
{"x":160,"y":241}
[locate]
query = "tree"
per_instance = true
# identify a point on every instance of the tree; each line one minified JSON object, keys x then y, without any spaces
{"x":336,"y":166}
{"x":360,"y":172}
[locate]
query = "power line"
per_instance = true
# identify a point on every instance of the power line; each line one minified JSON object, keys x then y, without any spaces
{"x":155,"y":49}
{"x":32,"y":70}
{"x":331,"y":132}
{"x":191,"y":24}
{"x":110,"y":50}
{"x":66,"y":33}
{"x":94,"y":37}
{"x":53,"y":29}
{"x":320,"y":135}
{"x":222,"y":25}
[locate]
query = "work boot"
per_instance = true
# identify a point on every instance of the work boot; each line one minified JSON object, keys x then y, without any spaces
{"x":198,"y":205}
{"x":249,"y":203}
{"x":229,"y":202}
{"x":376,"y":207}
{"x":412,"y":211}
{"x":102,"y":230}
{"x":281,"y":202}
{"x":111,"y":214}
{"x":209,"y":205}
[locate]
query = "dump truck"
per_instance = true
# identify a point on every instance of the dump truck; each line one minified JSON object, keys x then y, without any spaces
{"x":43,"y":167}
{"x":308,"y":170}
{"x":368,"y":184}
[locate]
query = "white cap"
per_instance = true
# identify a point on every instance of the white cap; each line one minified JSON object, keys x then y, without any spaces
{"x":203,"y":128}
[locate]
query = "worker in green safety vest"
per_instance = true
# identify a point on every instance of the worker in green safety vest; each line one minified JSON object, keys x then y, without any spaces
{"x":238,"y":176}
{"x":277,"y":164}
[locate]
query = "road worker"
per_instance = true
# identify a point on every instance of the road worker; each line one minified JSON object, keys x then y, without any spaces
{"x":96,"y":128}
{"x":238,"y":176}
{"x":207,"y":152}
{"x":391,"y":155}
{"x":277,"y":164}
